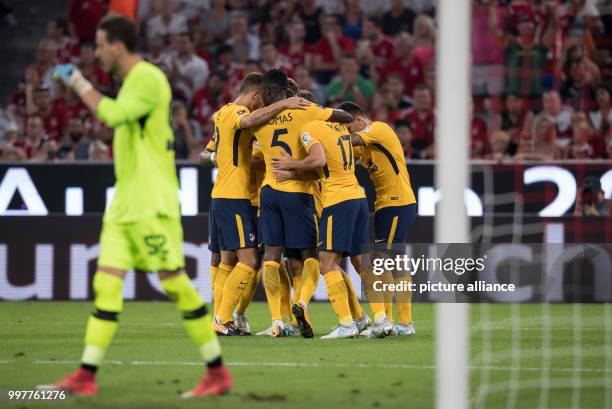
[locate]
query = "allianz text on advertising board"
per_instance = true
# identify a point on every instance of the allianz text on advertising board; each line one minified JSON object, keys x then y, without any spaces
{"x":75,"y":189}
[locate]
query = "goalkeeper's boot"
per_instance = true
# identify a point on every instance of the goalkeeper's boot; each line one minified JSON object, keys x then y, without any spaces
{"x":363,"y":323}
{"x":404,"y":329}
{"x":381,"y":330}
{"x":342,"y":331}
{"x":303,"y":320}
{"x":242,"y":323}
{"x":80,"y":382}
{"x":217,"y":381}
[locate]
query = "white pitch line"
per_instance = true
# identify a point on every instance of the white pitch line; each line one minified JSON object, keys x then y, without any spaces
{"x":318,"y":365}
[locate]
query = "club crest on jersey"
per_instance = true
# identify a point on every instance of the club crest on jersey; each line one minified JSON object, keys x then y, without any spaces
{"x":240,"y":112}
{"x":252,"y":237}
{"x":367,"y":129}
{"x":306,"y":138}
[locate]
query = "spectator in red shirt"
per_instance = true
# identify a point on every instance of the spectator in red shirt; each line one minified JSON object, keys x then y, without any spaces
{"x":35,"y":144}
{"x":395,"y":85}
{"x":91,"y":69}
{"x":381,"y":45}
{"x":602,"y":118}
{"x":84,"y":16}
{"x":208,"y":99}
{"x":17,"y":105}
{"x":479,"y":141}
{"x":422,"y":121}
{"x":404,"y":64}
{"x":330,"y":48}
{"x":67,"y":48}
{"x":53,"y":113}
{"x":580,"y":148}
{"x":297,"y":50}
{"x":271,"y":58}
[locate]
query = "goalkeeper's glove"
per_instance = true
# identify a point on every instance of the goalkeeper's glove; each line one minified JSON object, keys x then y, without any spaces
{"x":71,"y":76}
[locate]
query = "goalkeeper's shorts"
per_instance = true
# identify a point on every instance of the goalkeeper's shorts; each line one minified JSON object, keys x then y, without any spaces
{"x":154,"y":244}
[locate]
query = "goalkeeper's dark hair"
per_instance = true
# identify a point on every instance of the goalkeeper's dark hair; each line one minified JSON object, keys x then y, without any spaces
{"x":252,"y":81}
{"x":352,"y":108}
{"x":120,"y":28}
{"x":274,"y":86}
{"x":304,"y":93}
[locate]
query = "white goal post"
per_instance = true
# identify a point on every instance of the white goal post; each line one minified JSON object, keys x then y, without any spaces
{"x":453,"y":60}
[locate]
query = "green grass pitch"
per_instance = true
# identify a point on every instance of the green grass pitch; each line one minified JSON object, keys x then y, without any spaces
{"x":151,"y":360}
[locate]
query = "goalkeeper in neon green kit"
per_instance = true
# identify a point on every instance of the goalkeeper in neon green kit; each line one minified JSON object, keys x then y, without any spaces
{"x":142,"y":227}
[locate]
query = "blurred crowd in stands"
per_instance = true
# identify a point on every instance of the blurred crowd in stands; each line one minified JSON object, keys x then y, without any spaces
{"x":541,"y":71}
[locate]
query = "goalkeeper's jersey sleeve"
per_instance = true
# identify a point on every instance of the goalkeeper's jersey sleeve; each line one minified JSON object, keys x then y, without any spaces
{"x":143,"y":146}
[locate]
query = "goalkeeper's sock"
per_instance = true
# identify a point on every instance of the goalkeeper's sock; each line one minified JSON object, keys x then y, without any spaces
{"x":387,"y":278}
{"x":248,"y":293}
{"x":404,"y":301}
{"x":213,"y":275}
{"x":235,"y":284}
{"x":285,"y":292}
{"x":223,"y":272}
{"x":354,"y":305}
{"x":197,"y":320}
{"x":102,"y":323}
{"x":310,"y":278}
{"x":338,"y":296}
{"x":271,"y":281}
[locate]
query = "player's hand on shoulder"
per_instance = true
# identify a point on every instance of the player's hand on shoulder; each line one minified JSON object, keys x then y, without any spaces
{"x":283,"y":162}
{"x":297,"y":103}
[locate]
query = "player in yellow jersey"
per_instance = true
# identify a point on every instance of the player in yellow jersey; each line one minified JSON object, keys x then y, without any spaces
{"x":344,"y":220}
{"x":232,"y":216}
{"x":395,"y":206}
{"x":287,"y":214}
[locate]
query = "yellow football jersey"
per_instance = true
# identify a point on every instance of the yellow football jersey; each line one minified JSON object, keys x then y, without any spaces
{"x":282,"y":133}
{"x":383,"y":156}
{"x":233,"y":152}
{"x":256,"y":178}
{"x":338,"y":180}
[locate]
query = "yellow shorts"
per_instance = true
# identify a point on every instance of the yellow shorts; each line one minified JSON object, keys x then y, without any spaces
{"x":148,"y":245}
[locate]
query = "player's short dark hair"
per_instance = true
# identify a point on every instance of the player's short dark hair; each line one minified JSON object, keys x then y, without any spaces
{"x":304,"y":93}
{"x":120,"y":28}
{"x":274,"y":86}
{"x":352,"y":108}
{"x":292,"y":87}
{"x":250,"y":82}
